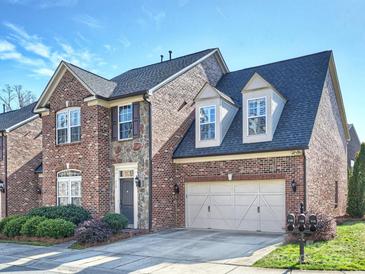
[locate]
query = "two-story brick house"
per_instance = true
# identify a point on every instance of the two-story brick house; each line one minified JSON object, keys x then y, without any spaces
{"x":20,"y":155}
{"x":129,"y":144}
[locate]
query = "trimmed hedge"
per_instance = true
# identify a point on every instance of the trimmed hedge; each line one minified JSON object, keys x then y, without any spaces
{"x":5,"y":220}
{"x":93,"y":231}
{"x":55,"y":228}
{"x":115,"y":221}
{"x":30,"y":227}
{"x":13,"y":227}
{"x":72,"y":213}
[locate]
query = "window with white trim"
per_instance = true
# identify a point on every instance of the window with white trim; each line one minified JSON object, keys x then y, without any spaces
{"x":207,"y":117}
{"x":68,"y":126}
{"x":256,"y":115}
{"x":69,"y":187}
{"x":125,"y":122}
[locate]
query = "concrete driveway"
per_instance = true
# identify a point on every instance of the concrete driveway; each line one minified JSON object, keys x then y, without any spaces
{"x":174,"y":251}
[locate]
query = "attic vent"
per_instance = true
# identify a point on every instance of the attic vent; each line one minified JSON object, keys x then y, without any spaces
{"x":182,"y":105}
{"x":161,"y":58}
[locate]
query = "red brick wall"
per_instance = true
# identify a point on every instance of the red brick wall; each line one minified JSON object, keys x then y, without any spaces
{"x":288,"y":168}
{"x":24,"y":154}
{"x":90,"y":156}
{"x":326,"y":158}
{"x":169,"y":123}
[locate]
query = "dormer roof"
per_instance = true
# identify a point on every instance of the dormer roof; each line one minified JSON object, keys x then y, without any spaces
{"x":299,"y":80}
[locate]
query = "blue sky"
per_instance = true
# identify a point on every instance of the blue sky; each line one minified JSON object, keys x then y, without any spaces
{"x":111,"y":36}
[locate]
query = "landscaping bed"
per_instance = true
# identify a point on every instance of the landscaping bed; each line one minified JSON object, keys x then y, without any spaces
{"x":345,"y":252}
{"x":58,"y":224}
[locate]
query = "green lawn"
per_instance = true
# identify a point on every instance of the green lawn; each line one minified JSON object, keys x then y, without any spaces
{"x":345,"y":252}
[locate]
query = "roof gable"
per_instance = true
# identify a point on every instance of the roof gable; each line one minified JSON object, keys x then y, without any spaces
{"x":208,"y":91}
{"x":300,"y":81}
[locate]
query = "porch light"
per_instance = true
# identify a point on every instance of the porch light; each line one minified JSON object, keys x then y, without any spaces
{"x":2,"y":186}
{"x":230,"y":175}
{"x":138,"y":182}
{"x":176,"y":189}
{"x":293,"y":185}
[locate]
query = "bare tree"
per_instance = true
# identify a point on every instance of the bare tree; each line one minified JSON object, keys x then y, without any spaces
{"x":11,"y":95}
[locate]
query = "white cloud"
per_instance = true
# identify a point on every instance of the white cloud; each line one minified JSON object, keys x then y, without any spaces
{"x":125,"y":41}
{"x":44,"y":4}
{"x":156,"y":17}
{"x":6,"y":46}
{"x":88,"y":20}
{"x":31,"y":43}
{"x":40,"y":58}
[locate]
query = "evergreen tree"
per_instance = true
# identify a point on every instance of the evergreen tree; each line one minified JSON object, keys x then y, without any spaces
{"x":356,"y":186}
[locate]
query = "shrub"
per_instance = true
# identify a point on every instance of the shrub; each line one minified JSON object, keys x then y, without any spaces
{"x":356,"y":186}
{"x":55,"y":228}
{"x":13,"y":227}
{"x":72,"y":213}
{"x":30,"y":227}
{"x":93,"y":231}
{"x":5,"y":220}
{"x":326,"y":228}
{"x":115,"y":221}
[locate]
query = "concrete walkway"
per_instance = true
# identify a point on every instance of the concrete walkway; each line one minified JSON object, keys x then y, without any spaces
{"x":179,"y":251}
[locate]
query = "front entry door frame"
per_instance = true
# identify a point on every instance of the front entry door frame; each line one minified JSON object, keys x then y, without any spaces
{"x":117,"y":169}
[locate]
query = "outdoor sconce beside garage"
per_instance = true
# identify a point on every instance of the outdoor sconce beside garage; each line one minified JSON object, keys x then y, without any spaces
{"x":2,"y":186}
{"x":137,"y":182}
{"x":293,"y":185}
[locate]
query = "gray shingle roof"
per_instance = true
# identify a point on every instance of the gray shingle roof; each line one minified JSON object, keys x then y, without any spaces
{"x":99,"y":85}
{"x":138,"y":80}
{"x":11,"y":118}
{"x":144,"y":78}
{"x":300,"y":80}
{"x":353,"y":145}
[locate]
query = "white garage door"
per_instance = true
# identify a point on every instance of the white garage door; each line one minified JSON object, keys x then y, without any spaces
{"x":236,"y":205}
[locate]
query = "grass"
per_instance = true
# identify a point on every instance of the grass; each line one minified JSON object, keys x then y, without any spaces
{"x":345,"y":252}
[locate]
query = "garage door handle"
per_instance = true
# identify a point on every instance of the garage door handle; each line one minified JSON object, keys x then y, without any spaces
{"x":258,"y":209}
{"x":209,"y":208}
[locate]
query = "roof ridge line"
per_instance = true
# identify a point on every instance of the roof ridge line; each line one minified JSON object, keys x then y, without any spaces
{"x":97,"y":75}
{"x":210,"y":49}
{"x":281,"y":61}
{"x":13,"y":110}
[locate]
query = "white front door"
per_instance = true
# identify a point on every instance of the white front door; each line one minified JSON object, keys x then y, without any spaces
{"x":238,"y":205}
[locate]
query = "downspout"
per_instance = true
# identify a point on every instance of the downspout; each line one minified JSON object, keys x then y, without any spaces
{"x":5,"y":159}
{"x":305,"y":181}
{"x":146,"y":99}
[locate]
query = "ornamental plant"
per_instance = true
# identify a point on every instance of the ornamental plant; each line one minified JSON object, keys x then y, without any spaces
{"x":115,"y":221}
{"x":356,"y":186}
{"x":55,"y":228}
{"x":93,"y":231}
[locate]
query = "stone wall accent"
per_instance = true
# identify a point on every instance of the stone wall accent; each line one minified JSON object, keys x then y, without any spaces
{"x":91,"y":155}
{"x":24,"y":154}
{"x":326,"y":158}
{"x":288,"y":168}
{"x":135,"y":151}
{"x":172,"y":114}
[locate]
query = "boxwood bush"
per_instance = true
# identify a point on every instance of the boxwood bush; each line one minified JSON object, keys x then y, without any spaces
{"x":5,"y":220}
{"x":72,"y":213}
{"x":30,"y":227}
{"x":115,"y":221}
{"x":13,"y":227}
{"x":55,"y":228}
{"x":93,"y":231}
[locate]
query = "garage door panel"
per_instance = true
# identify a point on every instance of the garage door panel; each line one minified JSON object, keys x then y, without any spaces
{"x":247,"y":187}
{"x":272,"y":187}
{"x":240,"y":205}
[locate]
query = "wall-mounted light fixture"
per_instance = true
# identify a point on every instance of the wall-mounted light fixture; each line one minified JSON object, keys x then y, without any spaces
{"x":176,"y":189}
{"x":137,"y":182}
{"x":293,"y":185}
{"x":2,"y":186}
{"x":230,"y":176}
{"x":39,"y":190}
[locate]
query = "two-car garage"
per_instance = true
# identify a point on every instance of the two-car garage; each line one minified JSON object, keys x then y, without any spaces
{"x":257,"y":205}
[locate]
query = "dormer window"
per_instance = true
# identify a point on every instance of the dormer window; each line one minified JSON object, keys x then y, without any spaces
{"x":256,"y":116}
{"x":207,"y":123}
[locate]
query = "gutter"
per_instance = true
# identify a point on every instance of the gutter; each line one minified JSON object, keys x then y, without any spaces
{"x":305,"y":181}
{"x":146,"y":99}
{"x":21,"y":123}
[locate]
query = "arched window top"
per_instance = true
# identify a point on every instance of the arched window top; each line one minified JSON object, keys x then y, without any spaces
{"x":69,"y":173}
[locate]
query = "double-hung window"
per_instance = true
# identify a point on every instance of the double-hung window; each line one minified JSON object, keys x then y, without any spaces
{"x":68,"y":126}
{"x":207,"y":117}
{"x":125,"y":122}
{"x":256,"y":115}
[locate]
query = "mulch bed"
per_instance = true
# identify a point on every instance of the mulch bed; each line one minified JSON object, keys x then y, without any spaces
{"x":125,"y":234}
{"x":34,"y":240}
